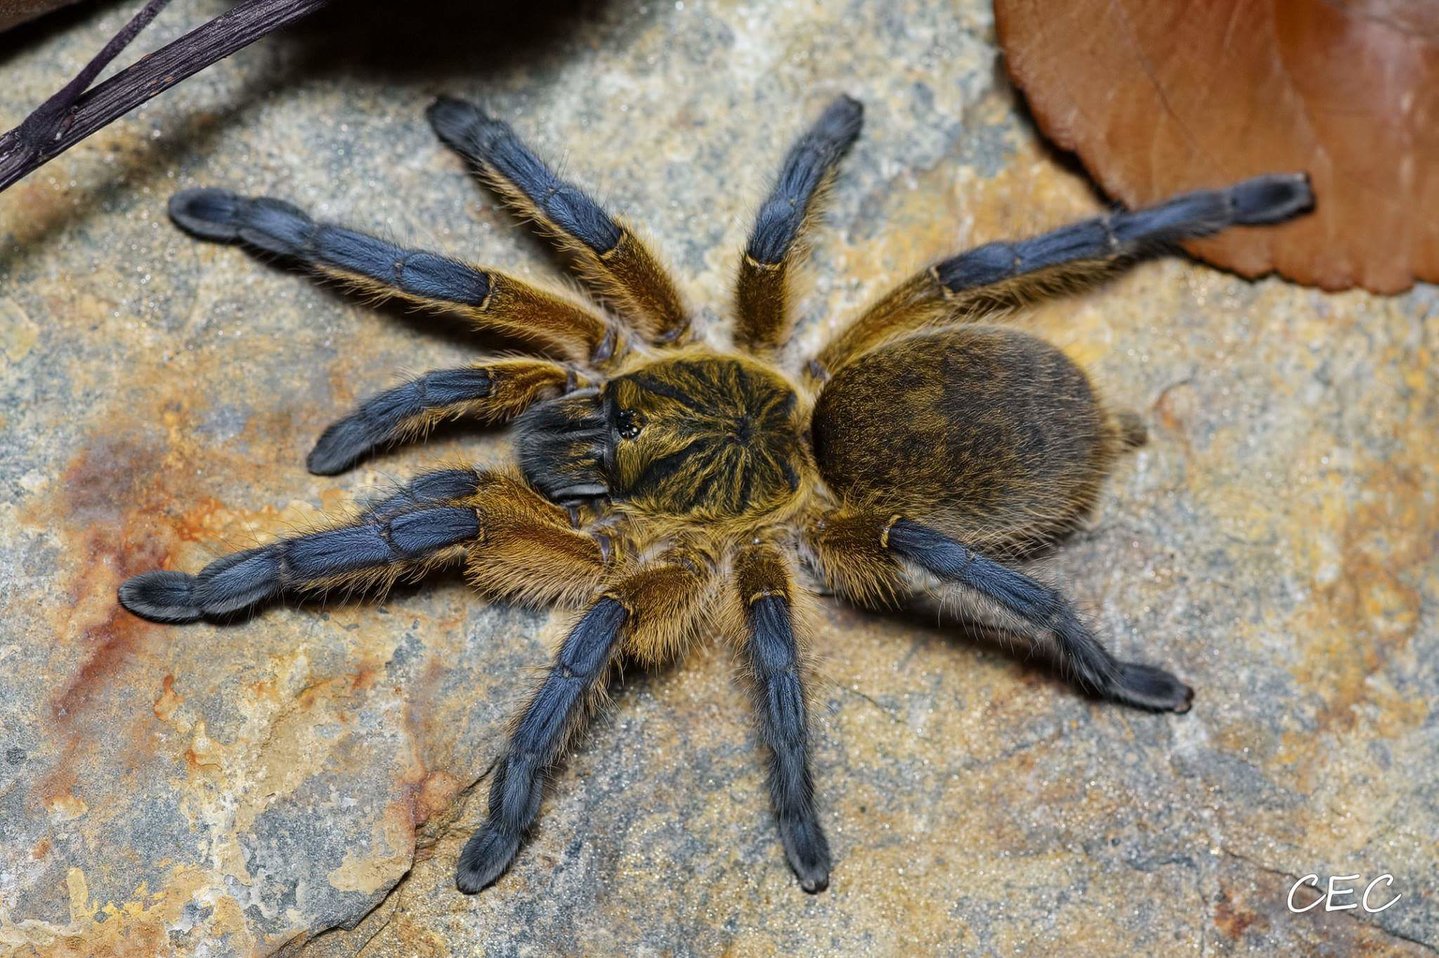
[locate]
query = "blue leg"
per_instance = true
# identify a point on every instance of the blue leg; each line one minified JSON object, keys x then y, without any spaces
{"x":402,"y":532}
{"x":536,"y":743}
{"x":784,"y":729}
{"x":776,"y":242}
{"x":1261,"y":201}
{"x":1090,"y":664}
{"x":489,"y":298}
{"x":608,"y":255}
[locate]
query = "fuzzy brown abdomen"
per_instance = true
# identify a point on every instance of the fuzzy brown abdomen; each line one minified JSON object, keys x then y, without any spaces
{"x":988,"y":432}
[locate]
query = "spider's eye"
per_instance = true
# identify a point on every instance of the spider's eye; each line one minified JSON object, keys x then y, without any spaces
{"x":629,"y":423}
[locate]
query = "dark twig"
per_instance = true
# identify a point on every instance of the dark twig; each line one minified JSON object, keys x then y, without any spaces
{"x":49,"y":112}
{"x":73,"y":113}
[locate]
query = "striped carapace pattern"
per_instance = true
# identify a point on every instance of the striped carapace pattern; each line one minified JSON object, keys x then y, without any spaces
{"x":717,"y":436}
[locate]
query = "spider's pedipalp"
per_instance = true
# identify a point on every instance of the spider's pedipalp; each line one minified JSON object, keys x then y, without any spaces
{"x":777,"y":241}
{"x":765,"y":588}
{"x":492,"y":392}
{"x":608,"y":254}
{"x":487,"y":297}
{"x":999,"y":276}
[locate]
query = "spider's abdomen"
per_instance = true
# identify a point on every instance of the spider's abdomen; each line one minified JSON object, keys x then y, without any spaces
{"x":983,"y":430}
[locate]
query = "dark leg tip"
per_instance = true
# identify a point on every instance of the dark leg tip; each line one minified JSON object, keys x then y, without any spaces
{"x":842,"y":119}
{"x":1147,"y":687}
{"x":808,"y":852}
{"x":208,"y":213}
{"x":454,"y":121}
{"x":487,"y":856}
{"x":814,"y":884}
{"x":1272,"y":199}
{"x":1188,"y":701}
{"x":338,"y":448}
{"x":161,"y":597}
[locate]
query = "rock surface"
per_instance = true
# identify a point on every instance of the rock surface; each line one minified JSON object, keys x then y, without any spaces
{"x":302,"y":782}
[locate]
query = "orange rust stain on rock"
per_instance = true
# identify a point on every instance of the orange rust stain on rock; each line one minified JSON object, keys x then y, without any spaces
{"x":195,"y":761}
{"x":264,"y":689}
{"x":1372,"y":607}
{"x":105,"y":478}
{"x":169,"y":699}
{"x":432,"y":794}
{"x":1232,"y":919}
{"x":41,"y":849}
{"x":365,"y":678}
{"x":111,"y":512}
{"x":419,"y":700}
{"x":197,"y":523}
{"x":323,"y":690}
{"x":112,"y":643}
{"x":98,"y":494}
{"x":56,"y":790}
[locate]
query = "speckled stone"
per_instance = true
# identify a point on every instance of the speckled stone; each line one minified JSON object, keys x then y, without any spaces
{"x":302,"y":782}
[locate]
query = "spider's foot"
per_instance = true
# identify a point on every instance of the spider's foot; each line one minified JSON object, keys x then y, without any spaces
{"x":208,"y":213}
{"x":1147,"y":687}
{"x":339,"y":447}
{"x":264,"y":223}
{"x":808,"y":852}
{"x":486,"y":857}
{"x":1271,"y":199}
{"x":458,"y":123}
{"x":161,"y":596}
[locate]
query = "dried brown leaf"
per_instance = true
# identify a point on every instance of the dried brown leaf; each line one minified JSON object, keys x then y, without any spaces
{"x":1161,"y":96}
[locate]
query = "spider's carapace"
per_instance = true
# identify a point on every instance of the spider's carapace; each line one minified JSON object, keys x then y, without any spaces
{"x":698,"y":438}
{"x":676,"y":490}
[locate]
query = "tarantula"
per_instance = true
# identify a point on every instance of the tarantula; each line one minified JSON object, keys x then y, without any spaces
{"x":677,"y":489}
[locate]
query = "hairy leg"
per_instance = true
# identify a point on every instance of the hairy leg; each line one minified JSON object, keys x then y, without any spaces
{"x":490,"y":299}
{"x":673,"y":594}
{"x":543,"y":729}
{"x":422,"y":527}
{"x":537,"y":739}
{"x":609,"y":255}
{"x":999,"y":276}
{"x":437,"y":518}
{"x":777,"y":242}
{"x":862,"y":554}
{"x":492,"y":392}
{"x":766,"y":590}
